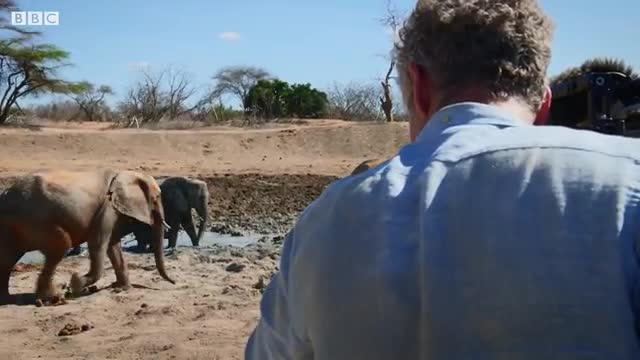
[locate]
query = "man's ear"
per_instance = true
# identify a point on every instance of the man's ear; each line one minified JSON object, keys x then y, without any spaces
{"x":543,"y":112}
{"x":422,"y":85}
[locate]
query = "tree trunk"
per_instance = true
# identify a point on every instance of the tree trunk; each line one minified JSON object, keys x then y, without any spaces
{"x":386,"y":102}
{"x":4,"y":115}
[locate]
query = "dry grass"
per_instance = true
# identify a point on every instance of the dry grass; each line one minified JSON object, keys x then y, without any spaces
{"x":164,"y":125}
{"x":233,"y":123}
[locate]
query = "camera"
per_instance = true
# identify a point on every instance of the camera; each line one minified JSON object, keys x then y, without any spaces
{"x":602,"y":96}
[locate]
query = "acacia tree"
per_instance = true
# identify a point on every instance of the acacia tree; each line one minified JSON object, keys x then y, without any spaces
{"x":238,"y":81}
{"x":90,"y":99}
{"x":27,"y":68}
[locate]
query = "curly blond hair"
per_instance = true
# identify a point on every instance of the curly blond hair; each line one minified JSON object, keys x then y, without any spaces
{"x":503,"y":45}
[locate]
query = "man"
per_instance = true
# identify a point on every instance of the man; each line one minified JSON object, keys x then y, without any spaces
{"x":486,"y":237}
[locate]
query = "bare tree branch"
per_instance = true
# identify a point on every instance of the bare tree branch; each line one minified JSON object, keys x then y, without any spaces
{"x":158,"y":95}
{"x":354,"y":102}
{"x":179,"y":92}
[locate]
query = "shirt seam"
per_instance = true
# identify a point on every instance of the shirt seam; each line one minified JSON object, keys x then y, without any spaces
{"x":443,"y":157}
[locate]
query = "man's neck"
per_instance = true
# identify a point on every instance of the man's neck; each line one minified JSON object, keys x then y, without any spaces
{"x":518,"y":109}
{"x":513,"y":106}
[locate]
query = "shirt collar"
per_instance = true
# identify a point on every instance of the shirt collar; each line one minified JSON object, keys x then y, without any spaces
{"x":466,"y":113}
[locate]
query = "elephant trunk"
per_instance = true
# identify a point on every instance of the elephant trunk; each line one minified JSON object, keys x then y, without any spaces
{"x":201,"y":209}
{"x":157,"y":238}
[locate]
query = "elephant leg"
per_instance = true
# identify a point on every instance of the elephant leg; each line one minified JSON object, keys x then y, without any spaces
{"x":141,"y":239}
{"x":187,"y":225}
{"x":97,"y":244}
{"x":7,"y":262}
{"x":58,"y":242}
{"x":96,"y":267}
{"x":142,"y":245}
{"x":173,"y":233}
{"x":45,"y":290}
{"x":173,"y":237}
{"x":119,"y":266}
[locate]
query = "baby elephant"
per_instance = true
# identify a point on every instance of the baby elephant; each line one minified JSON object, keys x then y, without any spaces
{"x":179,"y":195}
{"x":56,"y":210}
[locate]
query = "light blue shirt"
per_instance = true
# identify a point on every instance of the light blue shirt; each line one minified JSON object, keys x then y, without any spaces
{"x":486,"y":238}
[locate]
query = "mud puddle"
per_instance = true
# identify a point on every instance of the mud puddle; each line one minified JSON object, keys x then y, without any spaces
{"x":129,"y":243}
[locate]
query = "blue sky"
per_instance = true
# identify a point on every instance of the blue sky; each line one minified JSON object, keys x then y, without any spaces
{"x":299,"y":41}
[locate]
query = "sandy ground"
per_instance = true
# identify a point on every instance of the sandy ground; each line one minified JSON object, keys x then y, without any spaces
{"x":208,"y":314}
{"x":259,"y":180}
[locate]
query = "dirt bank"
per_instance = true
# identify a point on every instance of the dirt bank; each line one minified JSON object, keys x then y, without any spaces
{"x":330,"y":148}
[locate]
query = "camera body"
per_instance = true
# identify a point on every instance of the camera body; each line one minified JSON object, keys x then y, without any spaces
{"x":602,"y":101}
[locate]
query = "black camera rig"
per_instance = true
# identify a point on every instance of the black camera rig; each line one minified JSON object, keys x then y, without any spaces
{"x":603,"y":101}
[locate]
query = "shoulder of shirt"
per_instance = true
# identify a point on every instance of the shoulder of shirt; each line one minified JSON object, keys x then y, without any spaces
{"x":469,"y":144}
{"x":345,"y":195}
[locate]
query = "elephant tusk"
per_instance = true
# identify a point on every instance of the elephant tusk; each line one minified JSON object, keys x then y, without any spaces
{"x":166,"y":226}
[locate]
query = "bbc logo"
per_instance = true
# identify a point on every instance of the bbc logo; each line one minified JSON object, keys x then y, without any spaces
{"x":46,"y":18}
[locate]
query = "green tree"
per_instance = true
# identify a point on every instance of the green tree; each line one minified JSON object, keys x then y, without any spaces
{"x":27,"y":68}
{"x":267,"y":99}
{"x":276,"y":98}
{"x":306,"y":102}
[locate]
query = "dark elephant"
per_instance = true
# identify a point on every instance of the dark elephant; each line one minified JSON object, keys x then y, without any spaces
{"x":179,"y":195}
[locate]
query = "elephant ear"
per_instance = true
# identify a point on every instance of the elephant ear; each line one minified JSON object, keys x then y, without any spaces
{"x":131,"y":196}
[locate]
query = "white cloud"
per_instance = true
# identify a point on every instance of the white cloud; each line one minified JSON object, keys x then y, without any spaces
{"x":138,"y":65}
{"x":229,"y":36}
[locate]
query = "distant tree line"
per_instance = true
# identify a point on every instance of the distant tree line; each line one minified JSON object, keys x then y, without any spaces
{"x":29,"y":68}
{"x":170,"y":96}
